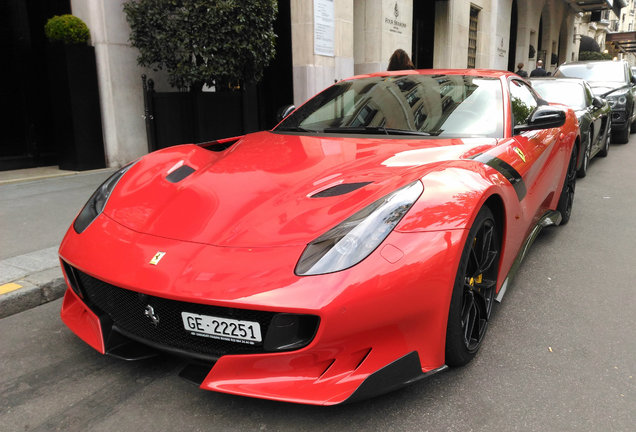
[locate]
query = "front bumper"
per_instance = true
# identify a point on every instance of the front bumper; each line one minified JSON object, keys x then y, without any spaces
{"x":619,"y":120}
{"x":374,"y":318}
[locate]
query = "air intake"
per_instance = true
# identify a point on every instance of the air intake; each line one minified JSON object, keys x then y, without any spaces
{"x":179,"y":174}
{"x":340,"y":189}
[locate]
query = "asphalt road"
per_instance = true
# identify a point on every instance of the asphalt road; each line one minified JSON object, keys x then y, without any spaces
{"x":560,"y":354}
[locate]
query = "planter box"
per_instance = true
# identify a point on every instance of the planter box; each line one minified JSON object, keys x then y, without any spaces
{"x":76,"y":109}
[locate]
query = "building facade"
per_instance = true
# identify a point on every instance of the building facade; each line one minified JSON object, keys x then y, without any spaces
{"x":335,"y":39}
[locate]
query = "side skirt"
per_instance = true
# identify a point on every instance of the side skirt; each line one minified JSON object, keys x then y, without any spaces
{"x":552,"y":217}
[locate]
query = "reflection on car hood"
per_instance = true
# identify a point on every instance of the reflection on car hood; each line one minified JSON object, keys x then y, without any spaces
{"x":601,"y":87}
{"x":260,"y":192}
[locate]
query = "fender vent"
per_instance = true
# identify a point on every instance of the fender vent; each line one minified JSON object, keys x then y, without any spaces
{"x":340,"y":189}
{"x":179,"y":174}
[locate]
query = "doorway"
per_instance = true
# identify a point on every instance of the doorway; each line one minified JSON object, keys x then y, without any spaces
{"x":423,"y":34}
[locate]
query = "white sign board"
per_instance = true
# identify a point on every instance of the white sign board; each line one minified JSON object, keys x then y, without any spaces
{"x":324,"y":27}
{"x":395,"y":20}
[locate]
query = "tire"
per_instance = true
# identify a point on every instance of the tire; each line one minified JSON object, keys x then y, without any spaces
{"x":567,"y":191}
{"x":582,"y":172}
{"x":608,"y":136}
{"x":474,"y":290}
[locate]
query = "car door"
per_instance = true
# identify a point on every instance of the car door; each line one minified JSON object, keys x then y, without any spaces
{"x":595,"y":115}
{"x":534,"y":154}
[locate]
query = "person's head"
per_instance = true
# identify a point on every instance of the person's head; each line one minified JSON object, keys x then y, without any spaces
{"x":539,"y":63}
{"x":400,"y":61}
{"x":520,"y":66}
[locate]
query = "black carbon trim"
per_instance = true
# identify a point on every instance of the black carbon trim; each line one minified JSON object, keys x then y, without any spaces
{"x":340,"y":189}
{"x":403,"y":371}
{"x":507,"y":171}
{"x":179,"y":174}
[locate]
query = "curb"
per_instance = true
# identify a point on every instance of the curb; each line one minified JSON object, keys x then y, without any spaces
{"x":33,"y":290}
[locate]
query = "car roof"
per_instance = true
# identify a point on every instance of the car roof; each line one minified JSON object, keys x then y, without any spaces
{"x":578,"y":62}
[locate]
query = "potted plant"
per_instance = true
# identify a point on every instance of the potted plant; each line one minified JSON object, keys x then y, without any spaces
{"x":74,"y":94}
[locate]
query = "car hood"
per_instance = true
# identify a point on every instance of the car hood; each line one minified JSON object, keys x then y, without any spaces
{"x":601,"y":87}
{"x":262,"y":190}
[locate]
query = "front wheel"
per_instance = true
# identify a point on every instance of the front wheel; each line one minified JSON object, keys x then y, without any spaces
{"x":567,"y":192}
{"x":608,"y":136}
{"x":582,"y":172}
{"x":474,"y":290}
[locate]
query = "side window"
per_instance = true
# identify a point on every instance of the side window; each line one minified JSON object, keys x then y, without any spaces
{"x":523,"y":102}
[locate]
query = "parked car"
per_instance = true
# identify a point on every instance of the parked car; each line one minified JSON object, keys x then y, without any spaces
{"x":593,"y":112}
{"x":612,"y":79}
{"x":342,"y":254}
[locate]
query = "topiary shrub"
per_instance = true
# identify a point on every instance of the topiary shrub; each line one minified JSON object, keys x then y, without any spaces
{"x":223,"y":43}
{"x":67,"y":29}
{"x":591,"y":55}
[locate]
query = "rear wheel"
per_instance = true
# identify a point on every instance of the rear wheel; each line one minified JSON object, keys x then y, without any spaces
{"x":567,"y":192}
{"x":474,"y":290}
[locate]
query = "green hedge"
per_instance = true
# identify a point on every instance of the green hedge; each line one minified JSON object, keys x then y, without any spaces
{"x":224,"y":43}
{"x":591,"y":55}
{"x":67,"y":29}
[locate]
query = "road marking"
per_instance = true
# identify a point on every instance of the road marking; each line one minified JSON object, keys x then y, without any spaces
{"x":7,"y":288}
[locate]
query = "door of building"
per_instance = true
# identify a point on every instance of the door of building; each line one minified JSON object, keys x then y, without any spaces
{"x":25,"y":106}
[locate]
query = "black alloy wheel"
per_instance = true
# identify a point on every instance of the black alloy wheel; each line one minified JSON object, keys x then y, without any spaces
{"x":608,"y":136}
{"x":582,"y":172}
{"x":474,"y":290}
{"x":567,"y":192}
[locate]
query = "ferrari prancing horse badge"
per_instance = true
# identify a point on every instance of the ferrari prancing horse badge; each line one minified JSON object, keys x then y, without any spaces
{"x":155,"y":259}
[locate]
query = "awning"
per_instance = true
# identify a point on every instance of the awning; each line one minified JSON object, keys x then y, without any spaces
{"x":598,"y":5}
{"x":624,"y":41}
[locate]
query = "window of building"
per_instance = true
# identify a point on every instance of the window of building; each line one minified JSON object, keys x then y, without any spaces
{"x":472,"y":37}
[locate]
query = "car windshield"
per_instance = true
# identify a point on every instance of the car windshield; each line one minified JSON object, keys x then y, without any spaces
{"x":422,"y":105}
{"x":566,"y":93}
{"x":601,"y":71}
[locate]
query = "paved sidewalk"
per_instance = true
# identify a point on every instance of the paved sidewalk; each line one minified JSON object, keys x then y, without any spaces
{"x":29,"y":197}
{"x":29,"y":280}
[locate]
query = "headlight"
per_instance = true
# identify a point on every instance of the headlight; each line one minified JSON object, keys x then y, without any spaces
{"x":97,"y":201}
{"x":354,"y":239}
{"x":617,"y":100}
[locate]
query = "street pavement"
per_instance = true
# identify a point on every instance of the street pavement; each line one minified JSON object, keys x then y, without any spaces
{"x":560,"y":354}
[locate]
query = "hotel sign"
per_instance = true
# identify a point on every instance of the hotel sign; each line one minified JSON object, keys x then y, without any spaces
{"x":394,"y":19}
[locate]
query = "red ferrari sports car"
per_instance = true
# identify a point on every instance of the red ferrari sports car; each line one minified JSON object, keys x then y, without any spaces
{"x":356,"y":247}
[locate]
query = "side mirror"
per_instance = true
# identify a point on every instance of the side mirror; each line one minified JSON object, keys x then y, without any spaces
{"x":633,"y":79}
{"x":544,"y":117}
{"x":597,"y":102}
{"x":284,"y":112}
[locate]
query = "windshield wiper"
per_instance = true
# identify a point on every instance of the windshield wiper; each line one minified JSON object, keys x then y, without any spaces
{"x":295,"y":129}
{"x":380,"y":130}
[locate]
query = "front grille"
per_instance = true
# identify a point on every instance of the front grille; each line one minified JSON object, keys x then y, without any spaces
{"x":127,"y":308}
{"x":618,"y":116}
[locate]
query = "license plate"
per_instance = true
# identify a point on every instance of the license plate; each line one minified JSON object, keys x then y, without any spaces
{"x":222,"y":328}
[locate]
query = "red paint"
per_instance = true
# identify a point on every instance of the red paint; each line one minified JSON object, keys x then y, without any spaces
{"x":233,"y":232}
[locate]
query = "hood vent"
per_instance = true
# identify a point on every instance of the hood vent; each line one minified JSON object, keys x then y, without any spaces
{"x":179,"y":174}
{"x":340,"y":189}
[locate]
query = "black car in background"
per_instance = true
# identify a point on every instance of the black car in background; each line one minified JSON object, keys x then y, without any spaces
{"x":612,"y":79}
{"x":594,"y":114}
